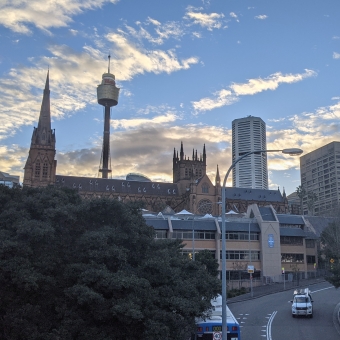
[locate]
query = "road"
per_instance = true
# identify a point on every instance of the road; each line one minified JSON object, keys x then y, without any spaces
{"x":269,"y":317}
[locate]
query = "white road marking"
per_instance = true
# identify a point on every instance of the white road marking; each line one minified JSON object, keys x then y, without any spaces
{"x":319,"y":290}
{"x":269,"y":326}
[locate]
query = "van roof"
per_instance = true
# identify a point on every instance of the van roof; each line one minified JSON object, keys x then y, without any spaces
{"x":305,"y":291}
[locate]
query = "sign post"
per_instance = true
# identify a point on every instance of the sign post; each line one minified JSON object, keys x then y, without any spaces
{"x":251,"y":270}
{"x":217,"y":335}
{"x":284,"y":278}
{"x":315,"y":269}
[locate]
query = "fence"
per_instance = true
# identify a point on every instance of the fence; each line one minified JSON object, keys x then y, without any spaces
{"x":289,"y":279}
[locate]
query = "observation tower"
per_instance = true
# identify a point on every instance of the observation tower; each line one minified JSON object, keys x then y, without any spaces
{"x":107,"y":96}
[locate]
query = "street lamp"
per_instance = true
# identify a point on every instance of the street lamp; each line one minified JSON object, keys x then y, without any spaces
{"x":291,"y":152}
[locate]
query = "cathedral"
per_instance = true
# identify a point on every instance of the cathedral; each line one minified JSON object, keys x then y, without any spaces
{"x":191,"y":189}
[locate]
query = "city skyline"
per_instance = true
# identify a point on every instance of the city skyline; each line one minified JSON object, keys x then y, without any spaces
{"x":186,"y":70}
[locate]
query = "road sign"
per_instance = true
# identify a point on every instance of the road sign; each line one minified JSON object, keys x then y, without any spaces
{"x":283,"y":270}
{"x":217,"y":335}
{"x":251,"y":269}
{"x":331,"y":260}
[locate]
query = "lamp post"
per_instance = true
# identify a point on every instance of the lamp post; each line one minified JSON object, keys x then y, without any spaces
{"x":291,"y":152}
{"x":250,"y":275}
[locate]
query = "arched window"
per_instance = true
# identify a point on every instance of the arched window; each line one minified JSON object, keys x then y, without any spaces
{"x":37,"y":169}
{"x":205,"y":188}
{"x":45,"y":170}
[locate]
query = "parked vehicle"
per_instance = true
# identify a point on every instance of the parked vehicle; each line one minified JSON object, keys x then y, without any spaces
{"x":302,"y":303}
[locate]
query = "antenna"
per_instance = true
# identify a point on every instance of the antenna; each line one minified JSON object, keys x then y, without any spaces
{"x":109,"y":56}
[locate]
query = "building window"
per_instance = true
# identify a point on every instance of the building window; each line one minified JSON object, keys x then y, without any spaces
{"x":205,"y":207}
{"x":242,"y":236}
{"x":45,"y":170}
{"x":160,"y":234}
{"x":292,"y":258}
{"x":310,"y":259}
{"x":189,"y":253}
{"x":205,"y":188}
{"x":37,"y":169}
{"x":293,"y":240}
{"x":198,"y":235}
{"x":242,"y":255}
{"x":310,"y":243}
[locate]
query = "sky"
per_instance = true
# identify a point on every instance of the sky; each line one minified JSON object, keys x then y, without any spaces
{"x":185,"y":69}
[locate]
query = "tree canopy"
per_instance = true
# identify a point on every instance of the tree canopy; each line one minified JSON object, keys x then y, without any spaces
{"x":92,"y":269}
{"x":330,"y":241}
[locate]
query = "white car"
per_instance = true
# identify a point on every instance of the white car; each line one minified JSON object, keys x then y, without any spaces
{"x":302,"y":303}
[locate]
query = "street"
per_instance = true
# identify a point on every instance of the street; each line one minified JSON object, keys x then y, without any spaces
{"x":269,"y":317}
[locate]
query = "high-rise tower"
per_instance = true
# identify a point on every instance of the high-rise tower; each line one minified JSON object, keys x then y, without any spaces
{"x":40,"y":167}
{"x":249,"y":134}
{"x":107,"y":95}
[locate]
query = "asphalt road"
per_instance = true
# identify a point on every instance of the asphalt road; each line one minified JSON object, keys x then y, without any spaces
{"x":269,"y":317}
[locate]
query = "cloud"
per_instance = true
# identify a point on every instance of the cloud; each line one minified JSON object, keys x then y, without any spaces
{"x":253,"y":86}
{"x":336,"y":55}
{"x":261,"y":17}
{"x":139,"y":122}
{"x":270,"y":83}
{"x":209,"y":21}
{"x":18,"y":16}
{"x":163,"y":31}
{"x":74,"y":76}
{"x":234,"y":15}
{"x":13,"y":157}
{"x":222,"y":98}
{"x":146,"y":156}
{"x":132,"y":60}
{"x":308,"y":131}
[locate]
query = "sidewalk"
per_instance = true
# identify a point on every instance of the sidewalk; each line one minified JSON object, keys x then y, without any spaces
{"x":275,"y":288}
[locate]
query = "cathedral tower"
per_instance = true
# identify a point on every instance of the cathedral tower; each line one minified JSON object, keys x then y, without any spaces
{"x":107,"y":95}
{"x":187,"y":169}
{"x":40,"y":167}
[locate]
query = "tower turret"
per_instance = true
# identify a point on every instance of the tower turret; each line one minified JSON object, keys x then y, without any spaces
{"x":107,"y":95}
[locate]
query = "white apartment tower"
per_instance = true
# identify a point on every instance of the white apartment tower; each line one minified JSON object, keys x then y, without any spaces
{"x":249,"y":134}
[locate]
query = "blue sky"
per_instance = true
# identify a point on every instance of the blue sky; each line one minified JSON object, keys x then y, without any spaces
{"x":186,"y":70}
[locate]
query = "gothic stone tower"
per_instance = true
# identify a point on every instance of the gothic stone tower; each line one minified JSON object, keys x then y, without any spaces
{"x":41,"y":166}
{"x":186,"y":170}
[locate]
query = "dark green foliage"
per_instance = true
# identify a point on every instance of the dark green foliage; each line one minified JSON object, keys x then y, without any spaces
{"x":73,"y":269}
{"x":330,"y":241}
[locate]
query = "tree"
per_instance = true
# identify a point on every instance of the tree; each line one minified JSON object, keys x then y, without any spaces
{"x":309,"y":195}
{"x":92,"y":269}
{"x":330,"y":242}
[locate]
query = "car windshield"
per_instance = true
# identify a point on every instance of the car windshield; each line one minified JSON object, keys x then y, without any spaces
{"x":301,"y":299}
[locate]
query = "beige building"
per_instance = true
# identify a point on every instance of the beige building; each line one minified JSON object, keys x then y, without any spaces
{"x":320,"y":174}
{"x":269,"y":241}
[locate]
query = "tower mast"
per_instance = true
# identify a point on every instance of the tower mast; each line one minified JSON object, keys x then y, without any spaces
{"x":107,"y":95}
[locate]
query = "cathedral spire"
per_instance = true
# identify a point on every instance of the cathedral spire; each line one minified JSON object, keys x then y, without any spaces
{"x":40,"y":167}
{"x":181,"y":153}
{"x":204,"y":155}
{"x":217,"y":178}
{"x":45,"y":111}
